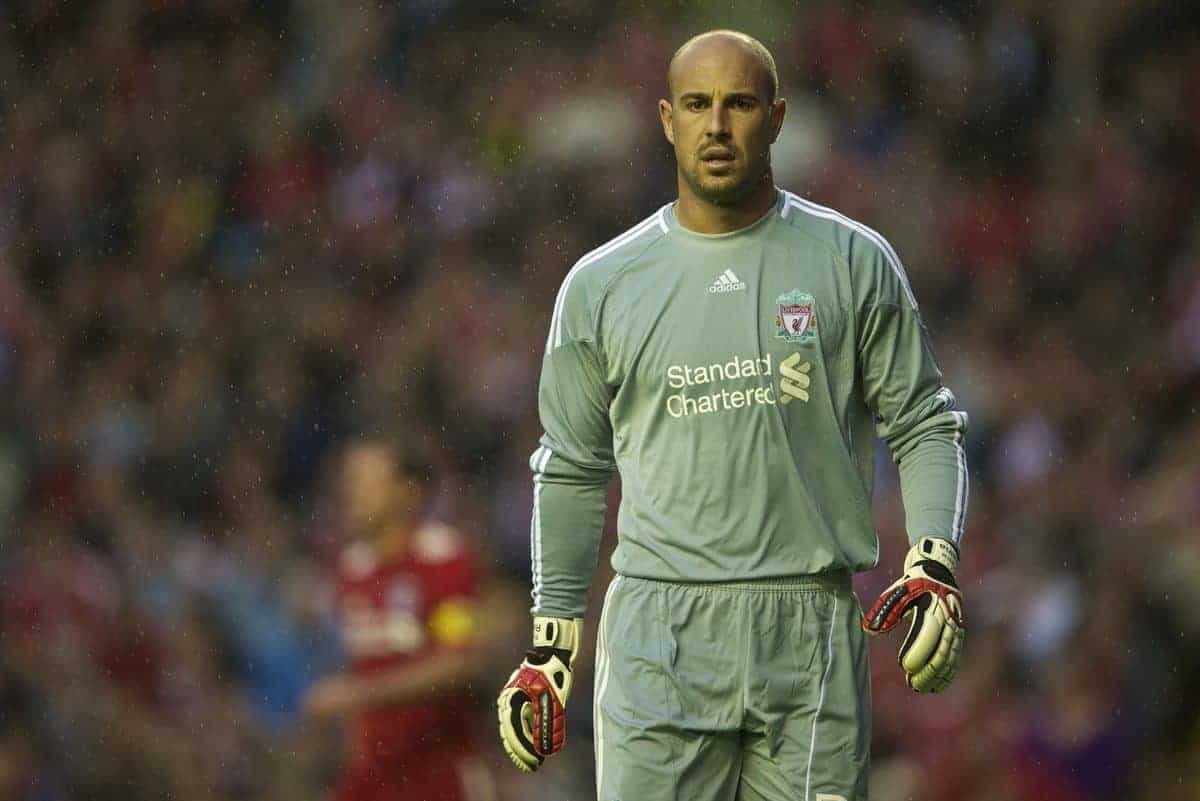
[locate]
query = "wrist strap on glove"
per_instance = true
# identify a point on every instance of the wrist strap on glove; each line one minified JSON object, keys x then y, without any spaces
{"x":558,"y":634}
{"x":943,"y":552}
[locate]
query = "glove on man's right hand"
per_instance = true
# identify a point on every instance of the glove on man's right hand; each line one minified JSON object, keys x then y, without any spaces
{"x":532,"y":706}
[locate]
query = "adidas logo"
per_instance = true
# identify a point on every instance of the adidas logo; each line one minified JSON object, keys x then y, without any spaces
{"x":726,"y":282}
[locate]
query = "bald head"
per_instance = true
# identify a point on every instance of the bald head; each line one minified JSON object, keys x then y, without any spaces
{"x":725,"y":44}
{"x":722,"y":118}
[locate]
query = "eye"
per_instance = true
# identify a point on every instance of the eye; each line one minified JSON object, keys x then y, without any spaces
{"x":694,"y":104}
{"x":743,"y":103}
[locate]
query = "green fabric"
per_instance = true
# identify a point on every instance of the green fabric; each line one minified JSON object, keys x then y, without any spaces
{"x":744,"y":448}
{"x":709,"y":693}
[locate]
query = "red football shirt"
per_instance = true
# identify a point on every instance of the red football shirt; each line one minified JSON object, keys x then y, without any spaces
{"x":397,"y":611}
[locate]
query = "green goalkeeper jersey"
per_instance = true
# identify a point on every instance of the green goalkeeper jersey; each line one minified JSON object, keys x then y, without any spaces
{"x":736,"y":382}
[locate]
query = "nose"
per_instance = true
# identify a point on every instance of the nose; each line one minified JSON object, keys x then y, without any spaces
{"x":717,"y":126}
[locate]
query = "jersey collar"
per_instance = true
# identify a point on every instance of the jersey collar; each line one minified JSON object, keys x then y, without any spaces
{"x":675,"y":229}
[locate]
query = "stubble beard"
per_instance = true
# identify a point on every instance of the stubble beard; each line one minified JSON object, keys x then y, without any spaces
{"x":727,"y":193}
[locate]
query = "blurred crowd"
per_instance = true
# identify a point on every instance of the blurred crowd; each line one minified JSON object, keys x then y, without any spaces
{"x":233,"y":235}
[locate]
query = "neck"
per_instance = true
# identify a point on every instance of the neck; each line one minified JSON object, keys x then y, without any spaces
{"x":391,"y":538}
{"x":704,"y":217}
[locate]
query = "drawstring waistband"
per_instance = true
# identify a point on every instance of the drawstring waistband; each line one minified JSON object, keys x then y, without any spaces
{"x":832,"y":581}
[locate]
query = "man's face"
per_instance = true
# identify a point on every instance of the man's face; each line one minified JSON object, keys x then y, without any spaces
{"x":367,"y":485}
{"x":720,"y":120}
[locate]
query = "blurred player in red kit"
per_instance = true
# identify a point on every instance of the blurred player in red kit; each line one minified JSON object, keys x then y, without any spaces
{"x":406,"y":606}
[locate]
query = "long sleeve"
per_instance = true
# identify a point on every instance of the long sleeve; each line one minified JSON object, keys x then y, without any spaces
{"x":574,"y":465}
{"x":915,"y":413}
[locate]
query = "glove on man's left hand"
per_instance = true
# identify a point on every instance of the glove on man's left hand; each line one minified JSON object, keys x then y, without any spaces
{"x":928,"y":591}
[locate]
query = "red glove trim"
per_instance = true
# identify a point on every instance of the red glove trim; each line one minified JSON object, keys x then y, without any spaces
{"x":894,"y":603}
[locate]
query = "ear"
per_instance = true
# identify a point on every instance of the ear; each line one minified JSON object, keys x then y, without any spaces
{"x":778,"y":111}
{"x":667,"y":115}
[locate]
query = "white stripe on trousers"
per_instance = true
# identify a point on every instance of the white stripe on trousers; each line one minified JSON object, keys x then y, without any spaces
{"x":812,"y":743}
{"x":601,"y":683}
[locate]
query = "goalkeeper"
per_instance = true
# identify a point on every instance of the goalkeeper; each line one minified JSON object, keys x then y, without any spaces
{"x":732,"y":357}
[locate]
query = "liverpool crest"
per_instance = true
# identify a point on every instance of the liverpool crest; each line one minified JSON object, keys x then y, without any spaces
{"x":796,"y":318}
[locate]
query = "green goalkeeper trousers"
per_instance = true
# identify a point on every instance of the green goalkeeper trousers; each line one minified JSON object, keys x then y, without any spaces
{"x":739,"y":691}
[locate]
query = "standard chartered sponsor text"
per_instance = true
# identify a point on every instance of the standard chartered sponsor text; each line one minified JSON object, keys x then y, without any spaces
{"x":722,"y":399}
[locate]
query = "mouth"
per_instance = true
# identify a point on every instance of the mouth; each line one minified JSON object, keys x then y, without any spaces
{"x":717,"y":157}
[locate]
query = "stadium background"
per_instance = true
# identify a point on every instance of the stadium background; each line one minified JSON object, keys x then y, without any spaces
{"x":232,"y":234}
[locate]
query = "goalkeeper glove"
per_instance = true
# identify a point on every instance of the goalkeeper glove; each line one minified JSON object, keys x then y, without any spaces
{"x":928,"y":591}
{"x":532,"y":705}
